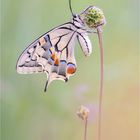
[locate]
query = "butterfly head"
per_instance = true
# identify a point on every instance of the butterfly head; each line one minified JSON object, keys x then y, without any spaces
{"x":78,"y":21}
{"x":93,"y":17}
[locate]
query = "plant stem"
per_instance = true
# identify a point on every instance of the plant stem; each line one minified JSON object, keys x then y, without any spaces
{"x":101,"y":80}
{"x":85,"y":133}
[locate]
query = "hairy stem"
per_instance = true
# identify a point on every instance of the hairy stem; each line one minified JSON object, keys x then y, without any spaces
{"x":101,"y":80}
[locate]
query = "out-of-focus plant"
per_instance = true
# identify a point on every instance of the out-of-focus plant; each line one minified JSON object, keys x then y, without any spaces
{"x":83,"y":113}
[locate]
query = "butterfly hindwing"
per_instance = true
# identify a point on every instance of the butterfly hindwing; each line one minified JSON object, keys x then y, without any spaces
{"x":52,"y":53}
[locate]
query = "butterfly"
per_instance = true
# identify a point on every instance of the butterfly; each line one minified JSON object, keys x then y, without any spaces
{"x":53,"y":52}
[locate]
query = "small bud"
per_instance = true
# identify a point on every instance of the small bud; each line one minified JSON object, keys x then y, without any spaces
{"x":83,"y":112}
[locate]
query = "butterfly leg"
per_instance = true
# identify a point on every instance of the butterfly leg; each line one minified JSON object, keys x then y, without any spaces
{"x":94,"y":32}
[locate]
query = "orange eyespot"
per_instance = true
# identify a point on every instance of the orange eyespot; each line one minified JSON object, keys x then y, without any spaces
{"x":71,"y":68}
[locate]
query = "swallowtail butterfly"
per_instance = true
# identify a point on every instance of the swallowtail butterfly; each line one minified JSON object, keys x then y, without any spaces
{"x":53,"y":52}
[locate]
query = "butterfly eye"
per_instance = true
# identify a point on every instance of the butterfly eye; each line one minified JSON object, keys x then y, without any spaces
{"x":71,"y":68}
{"x":74,"y":15}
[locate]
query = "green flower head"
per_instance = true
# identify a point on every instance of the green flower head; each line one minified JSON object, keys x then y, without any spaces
{"x":93,"y":17}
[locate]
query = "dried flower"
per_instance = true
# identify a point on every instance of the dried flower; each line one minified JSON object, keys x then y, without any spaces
{"x":83,"y":112}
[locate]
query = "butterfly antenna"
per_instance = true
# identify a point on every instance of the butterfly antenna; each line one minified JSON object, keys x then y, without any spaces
{"x":71,"y":8}
{"x":99,"y":31}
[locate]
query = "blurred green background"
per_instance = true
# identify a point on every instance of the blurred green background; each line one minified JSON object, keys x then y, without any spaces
{"x":27,"y":113}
